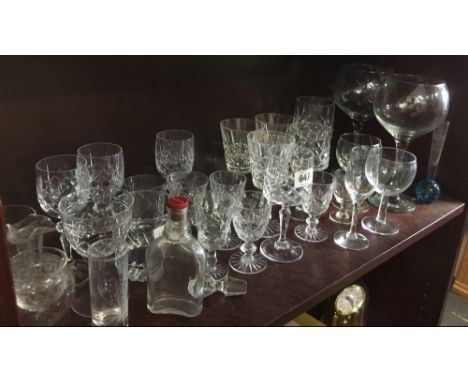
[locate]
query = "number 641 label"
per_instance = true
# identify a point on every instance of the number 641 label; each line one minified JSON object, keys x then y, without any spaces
{"x":303,"y":178}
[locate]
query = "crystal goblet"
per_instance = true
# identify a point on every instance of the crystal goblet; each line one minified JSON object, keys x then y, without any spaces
{"x":174,"y":151}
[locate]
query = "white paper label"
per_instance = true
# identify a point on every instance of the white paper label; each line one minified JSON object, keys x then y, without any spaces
{"x":303,"y":178}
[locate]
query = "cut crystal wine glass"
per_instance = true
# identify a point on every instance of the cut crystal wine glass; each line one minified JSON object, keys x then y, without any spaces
{"x":409,"y":106}
{"x":174,"y":152}
{"x":354,"y":91}
{"x":106,"y":170}
{"x":261,"y":143}
{"x":236,"y":150}
{"x":317,"y":203}
{"x":251,"y":215}
{"x":359,"y":188}
{"x":287,"y":182}
{"x":391,"y":171}
{"x":225,"y":182}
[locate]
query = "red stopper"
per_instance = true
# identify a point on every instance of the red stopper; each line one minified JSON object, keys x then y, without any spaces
{"x":177,"y":202}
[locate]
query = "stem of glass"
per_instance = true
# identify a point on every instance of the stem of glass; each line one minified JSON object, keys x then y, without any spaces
{"x":400,"y":145}
{"x":357,"y":126}
{"x":382,"y":213}
{"x":211,"y":261}
{"x":249,"y":249}
{"x":312,"y":223}
{"x":352,"y":233}
{"x":284,"y":215}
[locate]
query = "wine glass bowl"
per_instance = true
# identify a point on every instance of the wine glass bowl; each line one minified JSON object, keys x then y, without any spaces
{"x":174,"y":152}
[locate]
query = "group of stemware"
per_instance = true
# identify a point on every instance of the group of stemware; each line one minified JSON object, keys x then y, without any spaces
{"x":99,"y":211}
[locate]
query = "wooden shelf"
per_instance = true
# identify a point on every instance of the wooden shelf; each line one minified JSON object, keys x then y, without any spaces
{"x":284,"y":291}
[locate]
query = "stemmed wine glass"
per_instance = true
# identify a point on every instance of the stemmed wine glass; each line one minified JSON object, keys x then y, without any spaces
{"x":261,"y":142}
{"x":354,"y":91}
{"x":316,"y":204}
{"x":224,"y":183}
{"x":391,"y":171}
{"x":359,"y":188}
{"x":174,"y":152}
{"x":287,"y":182}
{"x":409,"y":106}
{"x":343,"y":214}
{"x":251,"y":215}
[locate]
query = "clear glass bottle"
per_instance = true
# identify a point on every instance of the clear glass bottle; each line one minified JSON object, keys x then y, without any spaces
{"x":175,"y":265}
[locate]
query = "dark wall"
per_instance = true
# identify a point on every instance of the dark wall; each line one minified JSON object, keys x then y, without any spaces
{"x":51,"y":105}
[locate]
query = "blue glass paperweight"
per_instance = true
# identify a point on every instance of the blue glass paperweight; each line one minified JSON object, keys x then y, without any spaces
{"x":427,"y":191}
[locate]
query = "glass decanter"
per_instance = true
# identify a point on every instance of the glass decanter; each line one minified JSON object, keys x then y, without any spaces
{"x":175,"y":266}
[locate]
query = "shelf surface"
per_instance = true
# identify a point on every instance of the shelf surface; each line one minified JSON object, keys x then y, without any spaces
{"x":283,"y":291}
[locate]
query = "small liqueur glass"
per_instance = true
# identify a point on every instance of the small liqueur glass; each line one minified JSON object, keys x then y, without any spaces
{"x":251,"y":215}
{"x":391,"y":171}
{"x":15,"y":214}
{"x":236,"y":150}
{"x":343,"y":214}
{"x":359,"y":188}
{"x":316,"y":205}
{"x":108,"y":282}
{"x":174,"y":152}
{"x":227,"y":183}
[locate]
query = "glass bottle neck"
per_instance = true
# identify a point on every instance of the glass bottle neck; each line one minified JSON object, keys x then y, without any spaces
{"x":177,"y":226}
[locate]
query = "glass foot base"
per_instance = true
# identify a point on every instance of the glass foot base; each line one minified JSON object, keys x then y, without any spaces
{"x":372,"y":225}
{"x":219,"y":272}
{"x":297,"y":213}
{"x":273,"y":229}
{"x":233,"y":242}
{"x":358,"y":243}
{"x":316,"y":235}
{"x":246,"y":264}
{"x":402,"y":203}
{"x":288,"y":252}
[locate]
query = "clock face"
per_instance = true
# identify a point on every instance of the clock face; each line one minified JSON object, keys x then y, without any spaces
{"x":350,"y":300}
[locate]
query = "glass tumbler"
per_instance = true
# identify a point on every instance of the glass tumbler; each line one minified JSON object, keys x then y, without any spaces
{"x":108,"y":282}
{"x":236,"y":150}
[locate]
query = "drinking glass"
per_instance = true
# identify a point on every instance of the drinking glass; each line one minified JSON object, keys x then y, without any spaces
{"x":251,"y":215}
{"x":105,"y":164}
{"x":57,"y":176}
{"x":14,"y":215}
{"x":213,"y":215}
{"x":320,"y":111}
{"x":355,"y":89}
{"x":359,"y":188}
{"x":343,"y":214}
{"x":86,"y":221}
{"x":273,"y":121}
{"x":147,"y":215}
{"x":174,"y":152}
{"x":44,"y":285}
{"x":108,"y":282}
{"x":409,"y":106}
{"x":236,"y":150}
{"x":145,"y":182}
{"x":316,"y":205}
{"x":287,"y":182}
{"x":227,"y":183}
{"x":391,"y":171}
{"x":261,"y":142}
{"x":346,"y":142}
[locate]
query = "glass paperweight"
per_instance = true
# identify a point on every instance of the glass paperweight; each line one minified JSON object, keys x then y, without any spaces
{"x":427,"y":191}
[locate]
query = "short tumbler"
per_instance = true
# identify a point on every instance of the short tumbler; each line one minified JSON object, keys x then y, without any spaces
{"x":108,"y":282}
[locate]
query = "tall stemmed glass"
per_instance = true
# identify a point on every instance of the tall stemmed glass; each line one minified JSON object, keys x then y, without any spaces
{"x":346,"y":143}
{"x":391,"y":171}
{"x":409,"y":106}
{"x":359,"y":188}
{"x":236,"y":150}
{"x":57,"y":176}
{"x":288,"y":179}
{"x":86,"y":220}
{"x":261,"y":142}
{"x":224,"y":183}
{"x":174,"y":152}
{"x":105,"y":162}
{"x":316,"y":205}
{"x":251,"y":215}
{"x":354,"y":91}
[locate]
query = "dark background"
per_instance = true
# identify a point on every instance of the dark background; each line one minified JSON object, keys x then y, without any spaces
{"x":52,"y":105}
